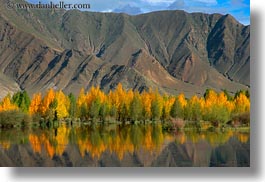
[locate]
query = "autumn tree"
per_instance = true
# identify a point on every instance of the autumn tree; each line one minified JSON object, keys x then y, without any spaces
{"x":193,"y":109}
{"x":215,"y":108}
{"x":7,"y":105}
{"x":177,"y":109}
{"x":146,"y":101}
{"x":123,"y":105}
{"x":168,"y":102}
{"x":35,"y":104}
{"x":242,"y":104}
{"x":47,"y":100}
{"x":82,"y":109}
{"x":63,"y":105}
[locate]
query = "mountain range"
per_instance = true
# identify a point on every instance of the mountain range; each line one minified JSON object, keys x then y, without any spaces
{"x":172,"y":51}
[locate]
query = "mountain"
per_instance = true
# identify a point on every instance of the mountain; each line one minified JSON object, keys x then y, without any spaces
{"x":173,"y":51}
{"x":7,"y":86}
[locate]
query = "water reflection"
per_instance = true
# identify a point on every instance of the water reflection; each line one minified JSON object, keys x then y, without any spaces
{"x":130,"y":145}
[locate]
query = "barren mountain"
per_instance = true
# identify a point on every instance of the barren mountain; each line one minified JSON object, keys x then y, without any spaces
{"x":173,"y":51}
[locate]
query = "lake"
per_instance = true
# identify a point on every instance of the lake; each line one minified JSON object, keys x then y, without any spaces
{"x":117,"y":145}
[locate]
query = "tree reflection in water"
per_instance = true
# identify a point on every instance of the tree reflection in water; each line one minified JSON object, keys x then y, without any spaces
{"x":117,"y":140}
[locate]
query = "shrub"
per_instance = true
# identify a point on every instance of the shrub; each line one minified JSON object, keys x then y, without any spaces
{"x":178,"y":123}
{"x":241,"y":119}
{"x":13,"y":118}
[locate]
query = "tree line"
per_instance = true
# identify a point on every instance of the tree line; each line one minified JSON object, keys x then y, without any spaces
{"x":128,"y":105}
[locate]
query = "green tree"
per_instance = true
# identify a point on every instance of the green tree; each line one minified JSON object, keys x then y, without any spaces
{"x":94,"y":109}
{"x":196,"y":112}
{"x":113,"y":112}
{"x":135,"y":109}
{"x":83,"y":111}
{"x":164,"y":116}
{"x":176,"y":110}
{"x":52,"y":113}
{"x":72,"y":108}
{"x":22,"y":100}
{"x":103,"y":111}
{"x":123,"y":113}
{"x":155,"y":110}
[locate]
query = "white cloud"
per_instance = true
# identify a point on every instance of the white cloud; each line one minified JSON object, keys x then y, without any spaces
{"x":107,"y":11}
{"x":158,"y":1}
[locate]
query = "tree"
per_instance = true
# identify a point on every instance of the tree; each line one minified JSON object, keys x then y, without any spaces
{"x":82,"y":104}
{"x":168,"y":102}
{"x":51,"y":112}
{"x":156,"y":112}
{"x":206,"y":93}
{"x":156,"y":105}
{"x":242,"y":104}
{"x":173,"y":110}
{"x":47,"y":100}
{"x":22,"y":100}
{"x":193,"y":109}
{"x":177,"y":109}
{"x":146,"y":104}
{"x":113,"y":112}
{"x":72,"y":109}
{"x":83,"y":111}
{"x":229,"y":97}
{"x":135,"y":110}
{"x":63,"y":105}
{"x":34,"y":107}
{"x":182,"y":100}
{"x":94,"y":109}
{"x":164,"y":115}
{"x":103,"y":111}
{"x":123,"y":113}
{"x":7,"y":105}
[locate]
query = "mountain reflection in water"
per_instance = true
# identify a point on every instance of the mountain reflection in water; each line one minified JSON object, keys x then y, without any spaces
{"x":115,"y":145}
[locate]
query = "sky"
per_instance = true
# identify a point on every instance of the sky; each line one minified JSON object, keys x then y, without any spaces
{"x":240,"y":9}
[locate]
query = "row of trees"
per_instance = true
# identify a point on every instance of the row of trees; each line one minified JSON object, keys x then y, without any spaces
{"x":129,"y":105}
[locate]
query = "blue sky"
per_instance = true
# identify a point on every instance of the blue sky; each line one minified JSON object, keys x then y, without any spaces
{"x":240,"y":9}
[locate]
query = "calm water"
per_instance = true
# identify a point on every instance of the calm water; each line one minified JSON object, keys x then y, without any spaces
{"x":114,"y":145}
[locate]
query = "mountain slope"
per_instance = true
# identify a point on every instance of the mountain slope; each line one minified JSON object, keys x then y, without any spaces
{"x":173,"y":51}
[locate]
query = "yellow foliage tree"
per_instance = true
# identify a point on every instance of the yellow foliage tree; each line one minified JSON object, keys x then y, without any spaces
{"x":242,"y":104}
{"x":63,"y":104}
{"x":47,"y":100}
{"x":35,"y":104}
{"x":182,"y":100}
{"x":146,"y":102}
{"x":6,"y":105}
